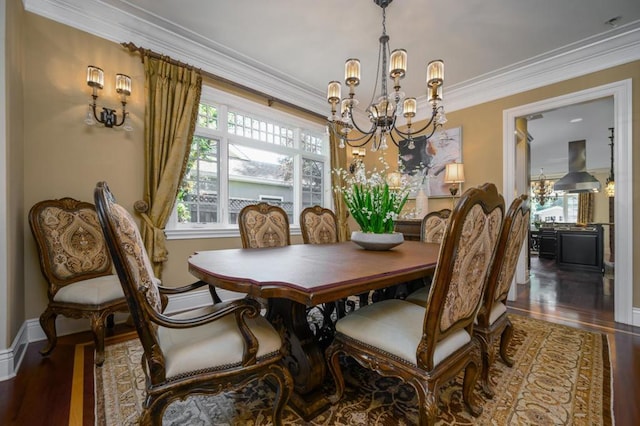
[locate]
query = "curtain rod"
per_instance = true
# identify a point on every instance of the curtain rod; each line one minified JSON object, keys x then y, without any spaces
{"x":270,"y":99}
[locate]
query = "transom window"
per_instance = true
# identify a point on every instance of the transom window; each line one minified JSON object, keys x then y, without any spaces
{"x":244,"y":153}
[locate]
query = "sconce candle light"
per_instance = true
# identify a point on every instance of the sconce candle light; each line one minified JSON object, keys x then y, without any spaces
{"x":358,"y":155}
{"x":108,"y":116}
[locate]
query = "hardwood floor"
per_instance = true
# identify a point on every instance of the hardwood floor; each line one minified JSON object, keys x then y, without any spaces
{"x":41,"y":393}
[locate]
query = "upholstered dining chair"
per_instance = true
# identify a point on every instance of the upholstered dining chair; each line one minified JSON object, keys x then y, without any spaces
{"x":434,"y":225}
{"x":204,"y":350}
{"x":263,"y":225}
{"x":318,"y":225}
{"x":75,"y":262}
{"x":492,"y":321}
{"x":425,"y":347}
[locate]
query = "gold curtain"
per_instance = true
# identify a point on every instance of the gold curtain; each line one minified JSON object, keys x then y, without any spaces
{"x":338,"y":160}
{"x":172,"y":97}
{"x":585,"y":207}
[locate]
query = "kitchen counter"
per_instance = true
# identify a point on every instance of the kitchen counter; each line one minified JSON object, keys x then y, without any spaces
{"x":573,"y":247}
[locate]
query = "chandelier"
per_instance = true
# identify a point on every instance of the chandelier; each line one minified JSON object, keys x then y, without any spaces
{"x":611,"y":184}
{"x":543,"y":190}
{"x":384,"y":109}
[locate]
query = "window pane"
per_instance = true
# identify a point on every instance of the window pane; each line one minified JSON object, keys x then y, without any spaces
{"x":312,"y":143}
{"x":208,"y":116}
{"x":256,"y":175}
{"x":198,"y":195}
{"x":260,"y":130}
{"x":312,"y":182}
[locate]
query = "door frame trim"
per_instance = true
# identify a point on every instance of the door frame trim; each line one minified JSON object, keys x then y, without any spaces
{"x":623,"y":202}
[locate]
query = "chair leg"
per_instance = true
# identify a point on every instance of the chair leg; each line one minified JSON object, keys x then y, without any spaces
{"x":471,"y":374}
{"x":427,"y":402}
{"x":48,"y":324}
{"x":505,"y":339}
{"x":97,"y":327}
{"x":488,"y":356}
{"x":283,"y":391}
{"x":333,"y":360}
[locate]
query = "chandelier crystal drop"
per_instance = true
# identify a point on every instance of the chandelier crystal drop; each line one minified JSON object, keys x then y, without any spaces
{"x":384,"y":109}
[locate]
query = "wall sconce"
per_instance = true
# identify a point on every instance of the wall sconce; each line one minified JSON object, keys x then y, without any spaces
{"x":358,"y":155}
{"x":454,"y":174}
{"x":108,"y":116}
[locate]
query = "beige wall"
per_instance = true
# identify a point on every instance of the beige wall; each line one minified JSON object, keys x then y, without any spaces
{"x":15,"y":297}
{"x":73,"y":157}
{"x":65,"y":157}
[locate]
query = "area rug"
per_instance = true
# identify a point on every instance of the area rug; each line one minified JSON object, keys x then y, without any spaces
{"x":561,"y":376}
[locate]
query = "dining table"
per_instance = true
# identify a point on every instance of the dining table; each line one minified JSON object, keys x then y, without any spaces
{"x":296,"y":277}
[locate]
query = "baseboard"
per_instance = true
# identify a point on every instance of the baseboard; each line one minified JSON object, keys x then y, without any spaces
{"x":30,"y":331}
{"x":635,"y":317}
{"x":11,"y":358}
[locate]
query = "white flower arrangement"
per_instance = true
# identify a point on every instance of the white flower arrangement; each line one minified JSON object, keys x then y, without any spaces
{"x":373,"y":201}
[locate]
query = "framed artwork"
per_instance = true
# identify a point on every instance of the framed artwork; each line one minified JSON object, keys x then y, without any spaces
{"x":425,"y":163}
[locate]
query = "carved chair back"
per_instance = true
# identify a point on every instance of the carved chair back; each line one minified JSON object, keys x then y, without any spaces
{"x":135,"y":271}
{"x":263,"y":225}
{"x":460,"y":278}
{"x":434,"y":226}
{"x":69,"y":241}
{"x":319,"y":226}
{"x":512,"y":237}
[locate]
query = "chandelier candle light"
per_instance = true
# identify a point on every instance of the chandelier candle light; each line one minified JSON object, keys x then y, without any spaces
{"x":384,"y":109}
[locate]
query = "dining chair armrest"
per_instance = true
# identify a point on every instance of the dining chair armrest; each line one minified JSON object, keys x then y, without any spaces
{"x":241,"y":307}
{"x":164,"y":291}
{"x":182,"y":289}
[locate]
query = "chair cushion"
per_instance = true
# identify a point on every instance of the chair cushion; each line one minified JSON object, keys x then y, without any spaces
{"x":497,"y":311}
{"x":91,"y":292}
{"x":212,"y":345}
{"x":395,"y":326}
{"x":419,"y":297}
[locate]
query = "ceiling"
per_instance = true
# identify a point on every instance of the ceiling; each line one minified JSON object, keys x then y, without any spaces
{"x":308,"y":41}
{"x":292,"y":49}
{"x":553,"y":130}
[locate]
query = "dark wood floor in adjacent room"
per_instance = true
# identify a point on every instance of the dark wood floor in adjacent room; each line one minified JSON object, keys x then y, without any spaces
{"x":41,"y":392}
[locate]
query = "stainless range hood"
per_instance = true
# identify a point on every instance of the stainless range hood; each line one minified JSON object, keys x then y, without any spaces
{"x":578,"y":179}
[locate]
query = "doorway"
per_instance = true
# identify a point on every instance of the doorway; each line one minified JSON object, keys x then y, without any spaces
{"x":516,"y":180}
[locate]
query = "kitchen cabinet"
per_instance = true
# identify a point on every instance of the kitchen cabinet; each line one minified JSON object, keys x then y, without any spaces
{"x":581,"y":248}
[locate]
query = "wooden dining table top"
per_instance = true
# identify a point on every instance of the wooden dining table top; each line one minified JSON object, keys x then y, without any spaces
{"x":313,"y":273}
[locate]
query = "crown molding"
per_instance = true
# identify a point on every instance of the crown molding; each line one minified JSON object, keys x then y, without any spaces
{"x":127,"y":23}
{"x":615,"y":47}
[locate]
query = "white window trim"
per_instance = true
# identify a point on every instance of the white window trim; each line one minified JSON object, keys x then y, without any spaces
{"x":238,"y":104}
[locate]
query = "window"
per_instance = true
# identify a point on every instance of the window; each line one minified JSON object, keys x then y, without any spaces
{"x":243,"y":153}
